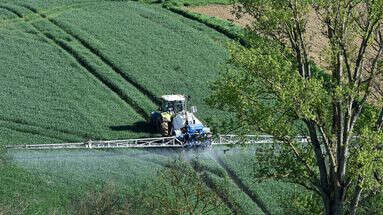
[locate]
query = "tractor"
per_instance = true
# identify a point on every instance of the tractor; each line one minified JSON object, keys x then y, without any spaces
{"x":173,"y":119}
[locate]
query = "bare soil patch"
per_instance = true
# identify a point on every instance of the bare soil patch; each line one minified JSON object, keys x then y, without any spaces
{"x":317,"y":41}
{"x":317,"y":45}
{"x":223,"y":12}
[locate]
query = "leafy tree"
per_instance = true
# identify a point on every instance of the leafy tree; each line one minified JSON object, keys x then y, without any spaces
{"x":276,"y":89}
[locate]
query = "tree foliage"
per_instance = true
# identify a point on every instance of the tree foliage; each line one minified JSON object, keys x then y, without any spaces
{"x":276,"y":88}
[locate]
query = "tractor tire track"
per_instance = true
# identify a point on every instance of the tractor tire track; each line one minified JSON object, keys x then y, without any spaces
{"x":160,"y":153}
{"x":203,"y":168}
{"x":82,"y":62}
{"x":101,"y":56}
{"x":27,"y":18}
{"x":39,"y":133}
{"x":17,"y":13}
{"x":63,"y":131}
{"x":72,"y":156}
{"x":234,"y":208}
{"x":234,"y":177}
{"x":107,"y":83}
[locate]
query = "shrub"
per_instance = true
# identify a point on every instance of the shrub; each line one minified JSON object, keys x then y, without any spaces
{"x":105,"y":201}
{"x":178,"y":189}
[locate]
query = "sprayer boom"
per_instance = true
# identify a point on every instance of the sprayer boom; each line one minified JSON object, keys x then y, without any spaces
{"x":160,"y":142}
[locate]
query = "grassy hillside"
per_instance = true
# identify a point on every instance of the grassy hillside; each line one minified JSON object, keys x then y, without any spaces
{"x":74,"y":69}
{"x":277,"y":197}
{"x":65,"y":177}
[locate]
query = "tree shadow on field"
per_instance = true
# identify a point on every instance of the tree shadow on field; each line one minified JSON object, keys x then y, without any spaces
{"x":137,"y":127}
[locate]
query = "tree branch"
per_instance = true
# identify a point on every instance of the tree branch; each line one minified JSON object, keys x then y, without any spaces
{"x":324,"y":185}
{"x":370,"y":26}
{"x":367,"y":93}
{"x":328,"y":149}
{"x":379,"y":123}
{"x":300,"y":158}
{"x":356,"y":198}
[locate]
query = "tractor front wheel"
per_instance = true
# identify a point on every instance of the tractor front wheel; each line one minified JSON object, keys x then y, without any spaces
{"x":165,"y":129}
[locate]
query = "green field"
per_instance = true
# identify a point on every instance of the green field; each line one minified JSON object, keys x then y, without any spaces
{"x":63,"y":177}
{"x":53,"y":180}
{"x":77,"y":69}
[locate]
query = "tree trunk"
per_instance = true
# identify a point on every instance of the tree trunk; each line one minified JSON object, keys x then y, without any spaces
{"x":338,"y":204}
{"x":333,"y":205}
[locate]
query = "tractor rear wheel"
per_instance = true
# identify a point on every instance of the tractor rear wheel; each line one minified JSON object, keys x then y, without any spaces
{"x":155,"y":121}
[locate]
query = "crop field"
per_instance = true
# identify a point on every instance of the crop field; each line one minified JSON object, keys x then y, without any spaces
{"x":72,"y":173}
{"x":241,"y":166}
{"x":64,"y":176}
{"x":74,"y":70}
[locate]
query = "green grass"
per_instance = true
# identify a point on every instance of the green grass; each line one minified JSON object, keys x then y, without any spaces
{"x":65,"y":177}
{"x":171,"y":64}
{"x":74,"y":70}
{"x":53,"y":180}
{"x":221,"y":181}
{"x":278,"y":197}
{"x":231,"y":30}
{"x":45,"y":90}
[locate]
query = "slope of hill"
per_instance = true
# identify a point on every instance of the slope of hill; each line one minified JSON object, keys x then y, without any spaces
{"x":74,"y":69}
{"x":77,"y":69}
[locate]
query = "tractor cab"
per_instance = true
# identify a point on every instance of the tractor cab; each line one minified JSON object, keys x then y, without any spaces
{"x":171,"y":106}
{"x":173,"y":103}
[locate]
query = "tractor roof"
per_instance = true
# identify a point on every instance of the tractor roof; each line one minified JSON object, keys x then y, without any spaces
{"x":172,"y":98}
